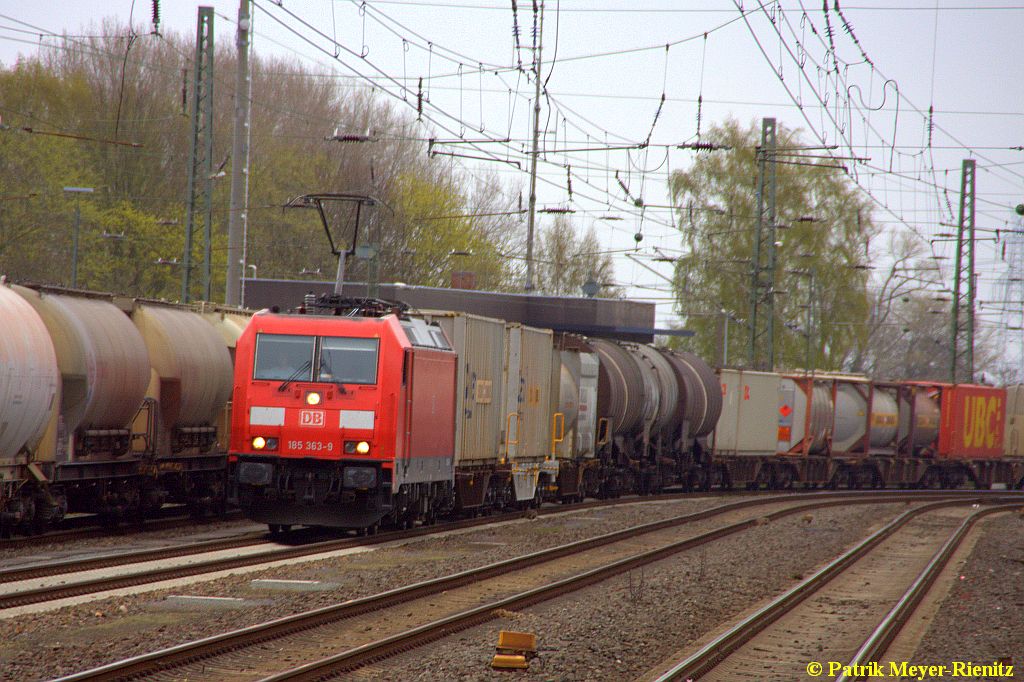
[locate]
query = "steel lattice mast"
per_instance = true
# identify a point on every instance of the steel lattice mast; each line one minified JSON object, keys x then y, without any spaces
{"x":200,"y":172}
{"x":762,"y":269}
{"x":962,"y":351}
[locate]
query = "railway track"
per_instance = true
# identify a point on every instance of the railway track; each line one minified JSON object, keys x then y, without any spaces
{"x":869,"y":591}
{"x":876,"y":645}
{"x":261,"y":649}
{"x":11,"y":596}
{"x":87,"y":527}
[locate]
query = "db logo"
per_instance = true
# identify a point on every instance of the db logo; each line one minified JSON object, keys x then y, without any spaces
{"x":311,"y":417}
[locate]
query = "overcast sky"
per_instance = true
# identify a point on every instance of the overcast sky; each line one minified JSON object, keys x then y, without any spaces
{"x":606,"y":67}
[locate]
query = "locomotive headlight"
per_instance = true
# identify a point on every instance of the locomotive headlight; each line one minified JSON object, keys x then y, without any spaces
{"x":312,"y":398}
{"x":259,"y":442}
{"x":362,"y":447}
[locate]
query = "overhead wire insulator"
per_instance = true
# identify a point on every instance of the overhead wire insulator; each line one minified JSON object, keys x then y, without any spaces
{"x":848,"y":27}
{"x":931,"y":124}
{"x":637,"y":201}
{"x":156,"y":17}
{"x":700,"y":106}
{"x":536,"y":27}
{"x":419,"y":101}
{"x":515,"y":35}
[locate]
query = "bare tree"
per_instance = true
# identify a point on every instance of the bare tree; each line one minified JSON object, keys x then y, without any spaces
{"x":565,"y":261}
{"x":907,"y":278}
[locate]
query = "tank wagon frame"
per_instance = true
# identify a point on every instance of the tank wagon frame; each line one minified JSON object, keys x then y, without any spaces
{"x":126,"y":400}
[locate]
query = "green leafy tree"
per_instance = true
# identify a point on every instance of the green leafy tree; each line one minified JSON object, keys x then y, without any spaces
{"x":121,"y":248}
{"x":439,"y":235}
{"x":824,"y":228}
{"x":114,"y":87}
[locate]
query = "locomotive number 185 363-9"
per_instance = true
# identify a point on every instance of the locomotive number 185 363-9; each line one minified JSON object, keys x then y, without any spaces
{"x":310,"y":445}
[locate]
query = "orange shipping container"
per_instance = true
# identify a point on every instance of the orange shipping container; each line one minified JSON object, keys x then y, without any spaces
{"x":973,"y":422}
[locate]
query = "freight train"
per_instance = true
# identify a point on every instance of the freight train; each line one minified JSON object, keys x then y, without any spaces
{"x":352,"y":414}
{"x":111,"y":405}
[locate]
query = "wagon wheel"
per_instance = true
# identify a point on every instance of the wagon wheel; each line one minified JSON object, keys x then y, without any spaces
{"x":537,"y":496}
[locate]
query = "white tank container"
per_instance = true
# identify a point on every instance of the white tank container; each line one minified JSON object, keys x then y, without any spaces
{"x":28,"y":376}
{"x":852,"y":419}
{"x":926,"y":417}
{"x":805,"y":412}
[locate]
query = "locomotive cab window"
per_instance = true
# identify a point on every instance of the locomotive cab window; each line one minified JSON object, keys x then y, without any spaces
{"x":439,"y":340}
{"x":283,"y":357}
{"x":346,"y":360}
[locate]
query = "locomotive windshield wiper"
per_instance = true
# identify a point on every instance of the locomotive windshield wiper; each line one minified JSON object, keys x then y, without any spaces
{"x":327,"y":375}
{"x":294,"y":375}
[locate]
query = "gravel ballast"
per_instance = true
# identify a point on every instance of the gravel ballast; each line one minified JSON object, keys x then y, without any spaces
{"x":616,"y":630}
{"x":981,"y":620}
{"x":621,"y":628}
{"x":71,"y":639}
{"x":125,"y":540}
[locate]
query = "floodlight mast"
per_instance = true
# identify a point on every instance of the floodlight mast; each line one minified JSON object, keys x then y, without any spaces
{"x":317,"y":201}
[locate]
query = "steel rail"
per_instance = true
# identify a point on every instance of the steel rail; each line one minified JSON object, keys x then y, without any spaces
{"x":51,"y":593}
{"x":722,"y":646}
{"x":10,"y":575}
{"x":54,"y":592}
{"x":50,"y":568}
{"x":76,"y":589}
{"x":882,"y":636}
{"x":87,"y":527}
{"x":389,"y":646}
{"x":219,"y":644}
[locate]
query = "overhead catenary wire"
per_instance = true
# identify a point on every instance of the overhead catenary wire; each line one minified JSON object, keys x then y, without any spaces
{"x":569,"y":120}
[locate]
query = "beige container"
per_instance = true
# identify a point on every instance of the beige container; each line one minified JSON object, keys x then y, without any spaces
{"x":191,"y":368}
{"x":1013,"y":442}
{"x":750,"y":413}
{"x":28,"y":379}
{"x":529,"y":409}
{"x":479,"y":410}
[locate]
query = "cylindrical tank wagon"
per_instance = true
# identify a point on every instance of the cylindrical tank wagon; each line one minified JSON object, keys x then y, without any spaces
{"x":655,"y":408}
{"x":28,"y":391}
{"x":121,"y":404}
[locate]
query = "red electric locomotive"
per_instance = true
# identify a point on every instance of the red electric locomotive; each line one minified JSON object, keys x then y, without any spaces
{"x":327,"y":428}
